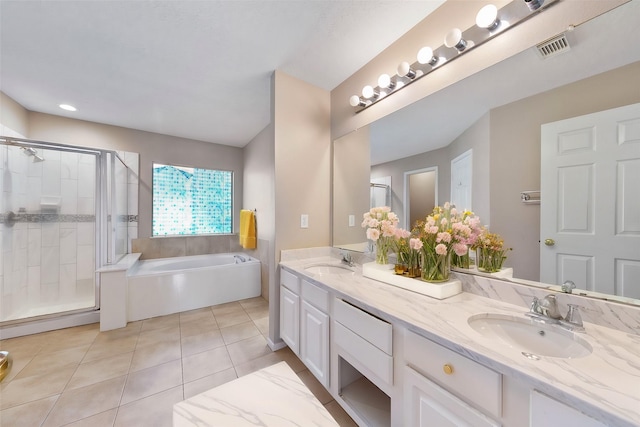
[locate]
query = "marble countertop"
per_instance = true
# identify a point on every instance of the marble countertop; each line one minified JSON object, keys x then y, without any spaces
{"x":604,"y":384}
{"x":279,"y":398}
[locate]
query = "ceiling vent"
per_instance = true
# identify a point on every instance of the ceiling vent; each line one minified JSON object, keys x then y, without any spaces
{"x":553,"y":46}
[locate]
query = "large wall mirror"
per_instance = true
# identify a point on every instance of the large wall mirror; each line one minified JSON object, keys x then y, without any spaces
{"x":497,"y":114}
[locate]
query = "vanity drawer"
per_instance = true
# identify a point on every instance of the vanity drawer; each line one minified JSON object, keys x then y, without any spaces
{"x":363,"y":353}
{"x":315,"y":296}
{"x":375,"y":331}
{"x":471,"y":381}
{"x":290,"y":281}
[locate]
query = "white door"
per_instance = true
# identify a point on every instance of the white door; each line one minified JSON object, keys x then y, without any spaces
{"x":461,"y":180}
{"x":590,"y":202}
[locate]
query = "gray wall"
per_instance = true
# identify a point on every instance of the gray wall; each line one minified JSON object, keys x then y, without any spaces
{"x":259,"y":194}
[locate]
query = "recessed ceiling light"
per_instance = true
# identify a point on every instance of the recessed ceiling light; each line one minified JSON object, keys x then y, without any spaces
{"x":68,"y":107}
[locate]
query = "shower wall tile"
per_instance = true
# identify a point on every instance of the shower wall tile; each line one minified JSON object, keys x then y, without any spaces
{"x":34,"y":169}
{"x":51,"y":185}
{"x":50,"y":234}
{"x":68,"y":281}
{"x":35,"y":193}
{"x":86,"y":206}
{"x":19,"y":236}
{"x":69,"y":194}
{"x":69,"y":165}
{"x":34,"y":247}
{"x":33,"y":280}
{"x":132,"y":201}
{"x":50,"y":264}
{"x":86,"y":180}
{"x":68,"y":245}
{"x":19,"y":260}
{"x":49,"y":293}
{"x":86,"y":233}
{"x":85,"y":267}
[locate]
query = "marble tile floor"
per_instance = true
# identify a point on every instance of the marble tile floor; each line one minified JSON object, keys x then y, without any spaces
{"x":132,"y":376}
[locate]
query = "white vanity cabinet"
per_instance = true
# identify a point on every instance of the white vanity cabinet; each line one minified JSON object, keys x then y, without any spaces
{"x":444,"y":388}
{"x":290,"y":310}
{"x":546,"y":411}
{"x":314,"y":331}
{"x":304,"y":323}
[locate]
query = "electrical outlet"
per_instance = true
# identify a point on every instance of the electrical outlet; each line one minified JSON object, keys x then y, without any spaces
{"x":352,"y":220}
{"x":304,"y":221}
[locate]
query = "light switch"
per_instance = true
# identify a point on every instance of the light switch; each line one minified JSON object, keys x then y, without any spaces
{"x":304,"y":221}
{"x":352,"y":220}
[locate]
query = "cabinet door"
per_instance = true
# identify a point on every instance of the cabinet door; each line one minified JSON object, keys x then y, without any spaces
{"x":546,"y":411}
{"x":290,"y":319}
{"x":314,"y":340}
{"x":427,"y":404}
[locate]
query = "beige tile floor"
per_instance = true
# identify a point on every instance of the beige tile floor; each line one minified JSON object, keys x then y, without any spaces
{"x":132,"y":376}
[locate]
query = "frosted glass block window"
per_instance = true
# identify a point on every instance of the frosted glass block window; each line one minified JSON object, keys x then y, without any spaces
{"x":191,"y":201}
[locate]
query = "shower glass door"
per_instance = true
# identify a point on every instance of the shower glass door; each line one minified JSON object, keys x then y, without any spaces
{"x":48,"y":230}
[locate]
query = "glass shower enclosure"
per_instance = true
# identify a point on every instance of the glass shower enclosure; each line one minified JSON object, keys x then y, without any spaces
{"x":63,"y":213}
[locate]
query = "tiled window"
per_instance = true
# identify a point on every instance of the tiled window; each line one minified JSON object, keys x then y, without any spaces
{"x":191,"y":201}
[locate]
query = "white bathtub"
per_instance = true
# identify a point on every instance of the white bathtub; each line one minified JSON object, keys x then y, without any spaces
{"x":158,"y":287}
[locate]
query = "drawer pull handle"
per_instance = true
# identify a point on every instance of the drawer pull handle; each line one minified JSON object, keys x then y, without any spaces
{"x":448,"y":369}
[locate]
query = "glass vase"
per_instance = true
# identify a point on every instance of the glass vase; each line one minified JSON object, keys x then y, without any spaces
{"x":382,"y":251}
{"x":489,"y":260}
{"x":461,"y":261}
{"x":435,"y":268}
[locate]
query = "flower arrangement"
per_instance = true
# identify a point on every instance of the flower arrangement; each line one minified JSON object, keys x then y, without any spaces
{"x":490,"y":251}
{"x":381,"y":224}
{"x":444,"y":233}
{"x":470,"y":231}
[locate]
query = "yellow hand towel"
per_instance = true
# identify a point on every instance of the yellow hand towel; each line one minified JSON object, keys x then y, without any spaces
{"x":247,"y":229}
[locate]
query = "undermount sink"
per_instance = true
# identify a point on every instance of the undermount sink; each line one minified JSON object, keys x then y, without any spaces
{"x":533,"y":338}
{"x":326,"y":269}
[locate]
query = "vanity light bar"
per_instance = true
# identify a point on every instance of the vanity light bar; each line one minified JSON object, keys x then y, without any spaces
{"x":490,"y":22}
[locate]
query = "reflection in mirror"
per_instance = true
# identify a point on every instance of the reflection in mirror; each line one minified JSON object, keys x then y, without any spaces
{"x":380,"y":192}
{"x":420,"y":194}
{"x":499,"y":113}
{"x":351,"y":182}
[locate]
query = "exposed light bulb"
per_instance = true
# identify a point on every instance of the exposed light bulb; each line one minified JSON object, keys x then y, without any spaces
{"x":487,"y":17}
{"x":404,"y":70}
{"x":425,"y":56}
{"x":454,"y":39}
{"x":355,"y":101}
{"x":369,"y":92}
{"x":384,"y":81}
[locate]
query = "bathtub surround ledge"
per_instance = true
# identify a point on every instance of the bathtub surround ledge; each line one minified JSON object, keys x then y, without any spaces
{"x":113,"y":292}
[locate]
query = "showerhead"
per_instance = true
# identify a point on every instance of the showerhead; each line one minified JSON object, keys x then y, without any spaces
{"x":30,"y":151}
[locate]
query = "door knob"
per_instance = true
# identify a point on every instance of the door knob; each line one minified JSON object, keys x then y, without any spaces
{"x":549,"y":242}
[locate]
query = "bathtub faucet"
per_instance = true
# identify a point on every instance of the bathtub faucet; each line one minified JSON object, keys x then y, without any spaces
{"x":239,"y":259}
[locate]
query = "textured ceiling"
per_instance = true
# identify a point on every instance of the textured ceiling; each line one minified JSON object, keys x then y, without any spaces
{"x":194,"y":69}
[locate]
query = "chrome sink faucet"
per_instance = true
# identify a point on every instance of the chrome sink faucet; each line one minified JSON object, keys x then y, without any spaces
{"x":548,"y":306}
{"x":546,"y":309}
{"x":346,"y":258}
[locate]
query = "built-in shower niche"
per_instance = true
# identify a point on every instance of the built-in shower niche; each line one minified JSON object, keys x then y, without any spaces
{"x":364,"y":398}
